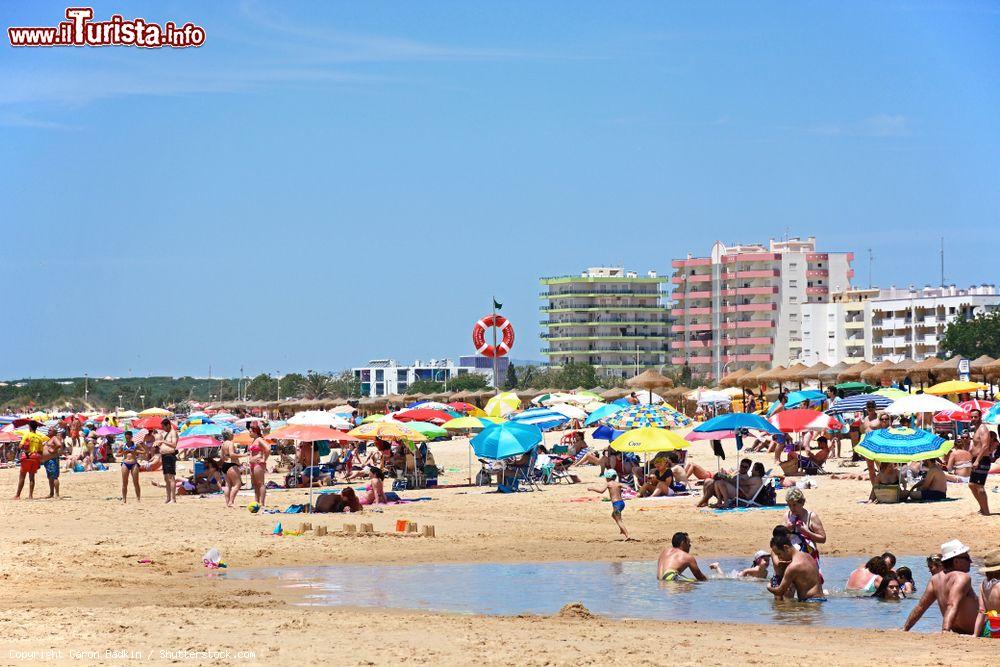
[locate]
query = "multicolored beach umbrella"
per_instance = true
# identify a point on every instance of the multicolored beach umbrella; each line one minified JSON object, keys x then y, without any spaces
{"x":902,"y":445}
{"x":639,"y":416}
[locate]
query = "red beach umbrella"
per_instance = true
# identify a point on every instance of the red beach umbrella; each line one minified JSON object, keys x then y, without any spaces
{"x":793,"y":421}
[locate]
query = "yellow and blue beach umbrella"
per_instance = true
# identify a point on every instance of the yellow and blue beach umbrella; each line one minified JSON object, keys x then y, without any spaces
{"x":639,"y":416}
{"x":902,"y":445}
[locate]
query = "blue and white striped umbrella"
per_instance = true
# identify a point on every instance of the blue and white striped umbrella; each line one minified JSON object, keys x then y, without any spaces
{"x":858,"y":402}
{"x":543,"y":418}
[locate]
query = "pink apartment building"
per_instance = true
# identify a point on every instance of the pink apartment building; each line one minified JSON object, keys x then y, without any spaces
{"x":742,"y":305}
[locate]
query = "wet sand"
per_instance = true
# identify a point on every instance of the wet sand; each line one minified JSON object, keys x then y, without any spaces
{"x":72,"y":579}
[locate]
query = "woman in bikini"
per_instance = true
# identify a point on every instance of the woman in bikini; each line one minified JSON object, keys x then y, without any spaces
{"x":230,"y":465}
{"x":259,"y":450}
{"x":130,"y":467}
{"x":868,"y":577}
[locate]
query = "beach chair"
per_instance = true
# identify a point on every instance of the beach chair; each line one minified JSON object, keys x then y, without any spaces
{"x":527,"y":475}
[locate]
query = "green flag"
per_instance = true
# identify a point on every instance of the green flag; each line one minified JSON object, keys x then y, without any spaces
{"x":496,"y":304}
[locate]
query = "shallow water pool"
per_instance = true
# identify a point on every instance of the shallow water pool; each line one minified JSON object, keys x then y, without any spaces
{"x":612,"y":589}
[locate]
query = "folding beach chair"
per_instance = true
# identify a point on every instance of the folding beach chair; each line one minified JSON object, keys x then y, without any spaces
{"x":527,"y":475}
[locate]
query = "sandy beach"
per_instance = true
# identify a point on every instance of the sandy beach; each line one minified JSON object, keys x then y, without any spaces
{"x":74,"y":585}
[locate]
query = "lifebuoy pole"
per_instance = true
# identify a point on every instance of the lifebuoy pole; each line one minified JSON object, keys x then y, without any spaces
{"x":496,"y":379}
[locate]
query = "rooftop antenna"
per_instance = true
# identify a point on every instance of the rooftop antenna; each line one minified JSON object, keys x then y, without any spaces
{"x":942,"y":261}
{"x":870,"y":259}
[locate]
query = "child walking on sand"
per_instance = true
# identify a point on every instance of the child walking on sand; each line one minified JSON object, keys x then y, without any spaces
{"x":614,"y":489}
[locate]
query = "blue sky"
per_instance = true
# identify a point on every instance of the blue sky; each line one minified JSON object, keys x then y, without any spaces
{"x":324,"y":183}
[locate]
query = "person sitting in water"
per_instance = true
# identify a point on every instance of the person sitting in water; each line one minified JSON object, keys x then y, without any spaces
{"x":345,"y":501}
{"x":677,"y":558}
{"x":933,"y":486}
{"x":889,"y":589}
{"x":758,"y":566}
{"x":988,"y":621}
{"x":801,"y":572}
{"x":952,"y":590}
{"x":906,"y":583}
{"x":868,"y":577}
{"x":934,"y":564}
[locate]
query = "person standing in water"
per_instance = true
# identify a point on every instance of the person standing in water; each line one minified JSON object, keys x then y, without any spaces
{"x":801,"y":572}
{"x":614,"y":490}
{"x":168,"y":456}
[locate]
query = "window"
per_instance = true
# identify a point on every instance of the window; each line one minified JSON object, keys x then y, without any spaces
{"x":793,"y":299}
{"x":830,"y":335}
{"x":793,"y":283}
{"x":400,"y":376}
{"x":379,"y":373}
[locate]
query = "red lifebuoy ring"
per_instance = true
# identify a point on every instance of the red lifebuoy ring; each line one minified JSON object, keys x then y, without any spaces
{"x":506,"y":333}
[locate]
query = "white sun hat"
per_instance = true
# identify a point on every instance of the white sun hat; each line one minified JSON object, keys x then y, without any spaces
{"x":953,"y":548}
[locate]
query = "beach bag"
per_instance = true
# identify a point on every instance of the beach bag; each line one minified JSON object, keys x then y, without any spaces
{"x":767,"y":496}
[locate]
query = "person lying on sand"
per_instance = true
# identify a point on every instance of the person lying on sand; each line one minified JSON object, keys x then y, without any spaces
{"x":675,"y":559}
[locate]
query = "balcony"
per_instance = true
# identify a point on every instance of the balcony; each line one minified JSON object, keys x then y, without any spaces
{"x":596,"y":336}
{"x":680,"y":361}
{"x":817,"y":273}
{"x":677,"y":328}
{"x":755,"y":340}
{"x":854,"y":324}
{"x":691,"y":344}
{"x":602,"y":309}
{"x":694,"y":261}
{"x":751,"y":273}
{"x":695,"y":278}
{"x":756,"y":307}
{"x":754,"y":357}
{"x":817,"y":290}
{"x":817,"y":257}
{"x":701,"y":294}
{"x":691,"y":311}
{"x":751,"y":257}
{"x":595,"y":294}
{"x":756,"y":324}
{"x":755,"y":291}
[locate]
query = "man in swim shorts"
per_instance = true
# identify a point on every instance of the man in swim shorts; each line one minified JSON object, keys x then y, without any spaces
{"x":801,"y":572}
{"x":51,"y":452}
{"x":614,"y":489}
{"x":983,"y":448}
{"x":677,"y":558}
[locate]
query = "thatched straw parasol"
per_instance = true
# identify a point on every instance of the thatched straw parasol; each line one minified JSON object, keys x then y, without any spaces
{"x":829,"y":375}
{"x":899,"y":370}
{"x":614,"y":394}
{"x":752,"y":377}
{"x":812,"y":372}
{"x":922,"y":370}
{"x":732,"y":379}
{"x":773,"y":375}
{"x":853,"y":373}
{"x":649,"y":379}
{"x":791,"y":374}
{"x":874,"y":374}
{"x":978,"y":366}
{"x":992,"y":370}
{"x":946,"y":370}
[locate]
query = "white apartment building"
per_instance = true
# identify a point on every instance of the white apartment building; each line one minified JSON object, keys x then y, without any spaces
{"x":743,"y":304}
{"x":888,"y":324}
{"x":382,"y":377}
{"x":613,"y":319}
